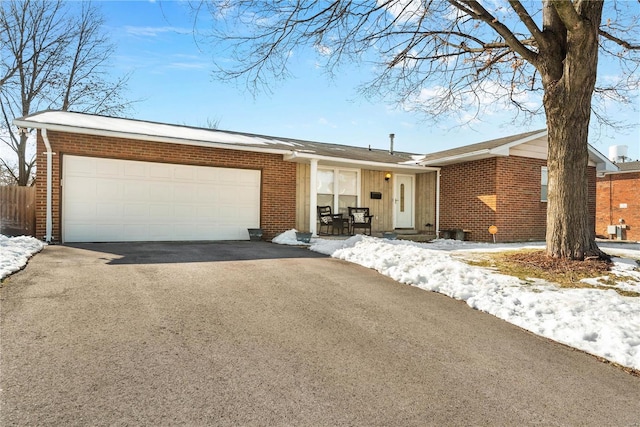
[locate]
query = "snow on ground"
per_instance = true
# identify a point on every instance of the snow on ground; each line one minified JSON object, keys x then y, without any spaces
{"x":600,"y":322}
{"x":15,"y":252}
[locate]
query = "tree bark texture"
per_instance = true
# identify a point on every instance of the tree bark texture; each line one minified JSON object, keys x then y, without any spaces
{"x":567,"y":103}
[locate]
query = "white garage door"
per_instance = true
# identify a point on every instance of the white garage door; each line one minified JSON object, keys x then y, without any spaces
{"x":108,"y":200}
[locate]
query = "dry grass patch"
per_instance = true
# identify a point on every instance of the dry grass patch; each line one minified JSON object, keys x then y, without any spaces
{"x":528,"y":264}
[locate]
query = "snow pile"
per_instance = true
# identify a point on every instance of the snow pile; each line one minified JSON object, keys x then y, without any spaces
{"x":323,"y":246}
{"x":600,"y":322}
{"x":15,"y":252}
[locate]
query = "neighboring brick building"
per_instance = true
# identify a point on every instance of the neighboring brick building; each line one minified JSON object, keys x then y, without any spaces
{"x":618,"y":201}
{"x":501,"y":183}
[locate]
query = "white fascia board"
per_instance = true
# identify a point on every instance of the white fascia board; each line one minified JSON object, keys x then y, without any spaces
{"x":377,"y":165}
{"x":144,"y":137}
{"x":457,"y":158}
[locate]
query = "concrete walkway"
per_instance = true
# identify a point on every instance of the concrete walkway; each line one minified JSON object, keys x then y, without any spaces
{"x":259,"y":334}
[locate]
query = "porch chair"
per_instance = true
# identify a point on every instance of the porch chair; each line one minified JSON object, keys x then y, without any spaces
{"x":360,"y":219}
{"x":328,"y":219}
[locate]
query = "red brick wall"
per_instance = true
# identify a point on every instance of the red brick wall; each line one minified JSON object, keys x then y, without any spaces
{"x":612,"y":191}
{"x":504,"y":192}
{"x":463,"y":187}
{"x":521,"y":214}
{"x":278,"y":195}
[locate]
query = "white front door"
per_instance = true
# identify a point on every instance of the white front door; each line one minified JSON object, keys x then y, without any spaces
{"x":404,"y":201}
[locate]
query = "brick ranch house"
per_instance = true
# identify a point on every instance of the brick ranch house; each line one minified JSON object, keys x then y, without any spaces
{"x":618,"y":202}
{"x":112,"y":179}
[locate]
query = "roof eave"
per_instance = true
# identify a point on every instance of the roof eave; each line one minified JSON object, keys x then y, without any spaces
{"x":144,"y":137}
{"x":601,"y":159}
{"x":296,"y":155}
{"x":501,"y":151}
{"x":475,"y":155}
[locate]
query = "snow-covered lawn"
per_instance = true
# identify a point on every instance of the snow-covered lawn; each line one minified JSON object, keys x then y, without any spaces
{"x":15,"y":252}
{"x":600,"y":322}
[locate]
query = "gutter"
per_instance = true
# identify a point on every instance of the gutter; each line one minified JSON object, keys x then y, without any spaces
{"x":144,"y":137}
{"x":49,"y":153}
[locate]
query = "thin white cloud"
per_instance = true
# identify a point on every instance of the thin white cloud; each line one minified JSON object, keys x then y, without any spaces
{"x":405,"y":10}
{"x":323,"y":49}
{"x":188,"y":65}
{"x":324,"y":122}
{"x":154,"y":31}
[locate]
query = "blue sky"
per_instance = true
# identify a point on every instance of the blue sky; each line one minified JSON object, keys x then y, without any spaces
{"x":172,"y":78}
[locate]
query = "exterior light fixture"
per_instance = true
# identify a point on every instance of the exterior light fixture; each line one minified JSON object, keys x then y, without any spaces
{"x":387,"y":176}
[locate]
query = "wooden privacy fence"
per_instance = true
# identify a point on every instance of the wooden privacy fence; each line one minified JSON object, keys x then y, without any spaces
{"x":17,"y":211}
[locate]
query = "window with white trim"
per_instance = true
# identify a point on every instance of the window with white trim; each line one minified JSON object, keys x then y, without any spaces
{"x":544,"y":183}
{"x":337,"y":188}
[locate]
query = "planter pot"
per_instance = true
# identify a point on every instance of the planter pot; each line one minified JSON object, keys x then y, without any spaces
{"x":390,"y":235}
{"x":459,"y":235}
{"x":303,"y":237}
{"x":255,"y":234}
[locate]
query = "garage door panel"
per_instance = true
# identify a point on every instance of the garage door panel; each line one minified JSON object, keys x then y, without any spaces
{"x":184,"y":173}
{"x":118,"y":200}
{"x":158,"y":211}
{"x":184,"y":193}
{"x":136,"y":211}
{"x":207,"y":175}
{"x":136,"y":190}
{"x":160,"y":171}
{"x":76,"y":167}
{"x":207,"y":193}
{"x":135,"y":170}
{"x":108,"y":211}
{"x":160,"y":192}
{"x":79,"y":211}
{"x":206,"y":213}
{"x":136,"y":232}
{"x":108,"y":189}
{"x":107,"y":168}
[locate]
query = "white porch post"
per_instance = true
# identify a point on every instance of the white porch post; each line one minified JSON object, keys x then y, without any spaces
{"x":313,"y":197}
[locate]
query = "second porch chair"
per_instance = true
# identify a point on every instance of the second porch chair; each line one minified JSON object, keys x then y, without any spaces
{"x":360,"y":219}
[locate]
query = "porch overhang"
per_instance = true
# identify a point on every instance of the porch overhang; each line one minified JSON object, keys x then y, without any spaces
{"x":303,"y":157}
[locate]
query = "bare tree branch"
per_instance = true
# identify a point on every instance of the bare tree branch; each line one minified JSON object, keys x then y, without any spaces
{"x":479,"y":12}
{"x":624,"y":43}
{"x":62,"y":57}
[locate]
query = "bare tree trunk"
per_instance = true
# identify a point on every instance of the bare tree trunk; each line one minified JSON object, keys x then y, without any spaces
{"x":567,"y":103}
{"x":569,"y":234}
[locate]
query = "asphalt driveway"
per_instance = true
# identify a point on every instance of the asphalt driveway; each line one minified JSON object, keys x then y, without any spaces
{"x":252,"y":333}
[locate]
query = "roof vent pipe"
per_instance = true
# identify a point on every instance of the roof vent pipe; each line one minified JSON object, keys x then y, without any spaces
{"x":391,"y":136}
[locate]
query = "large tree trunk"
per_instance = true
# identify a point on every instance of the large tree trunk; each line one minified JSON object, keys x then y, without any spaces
{"x":569,"y":231}
{"x":569,"y":84}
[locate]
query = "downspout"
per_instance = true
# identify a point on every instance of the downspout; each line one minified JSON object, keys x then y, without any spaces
{"x":49,"y":153}
{"x":610,"y":201}
{"x":438,"y":203}
{"x":313,"y":197}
